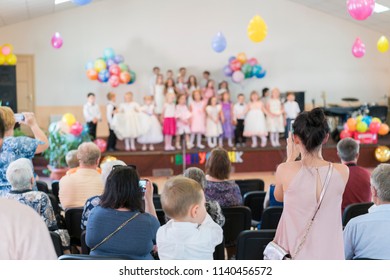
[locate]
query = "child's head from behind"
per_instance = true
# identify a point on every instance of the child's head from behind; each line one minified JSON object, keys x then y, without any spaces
{"x":170,"y":97}
{"x":241,"y":98}
{"x":91,"y":98}
{"x":181,"y":99}
{"x":196,"y":95}
{"x":254,"y":96}
{"x":148,"y":99}
{"x":290,"y":96}
{"x":128,"y":96}
{"x":183,"y":200}
{"x":275,"y":94}
{"x":111,"y":96}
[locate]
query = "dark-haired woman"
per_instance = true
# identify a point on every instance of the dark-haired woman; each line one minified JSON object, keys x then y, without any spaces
{"x":300,"y":183}
{"x":121,"y":212}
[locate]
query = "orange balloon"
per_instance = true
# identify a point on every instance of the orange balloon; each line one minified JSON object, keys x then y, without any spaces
{"x":92,"y":74}
{"x":124,"y":77}
{"x":384,"y":129}
{"x":351,"y":123}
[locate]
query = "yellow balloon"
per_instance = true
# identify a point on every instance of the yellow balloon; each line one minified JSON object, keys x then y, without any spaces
{"x":69,"y":119}
{"x":11,"y":59}
{"x":376,"y":120}
{"x":382,"y":154}
{"x":2,"y":59}
{"x":107,"y":159}
{"x":383,"y":44}
{"x":241,"y":57}
{"x":100,"y":65}
{"x":257,"y":29}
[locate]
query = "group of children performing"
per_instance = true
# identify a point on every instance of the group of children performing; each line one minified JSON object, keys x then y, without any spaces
{"x":172,"y":111}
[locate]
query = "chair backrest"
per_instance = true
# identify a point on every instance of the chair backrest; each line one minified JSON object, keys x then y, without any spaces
{"x":73,"y":223}
{"x":378,"y":112}
{"x":84,"y":248}
{"x":56,"y":239}
{"x":251,"y":243}
{"x":249,"y":185}
{"x":155,"y":188}
{"x":237,"y":219}
{"x":271,"y":216}
{"x":42,"y":186}
{"x":161,"y":216}
{"x":219,"y":252}
{"x":57,"y":211}
{"x":55,"y":189}
{"x":255,"y":201}
{"x":157,"y":201}
{"x":354,"y":210}
{"x":83,"y":257}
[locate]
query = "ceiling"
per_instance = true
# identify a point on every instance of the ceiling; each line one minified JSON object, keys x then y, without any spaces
{"x":13,"y":11}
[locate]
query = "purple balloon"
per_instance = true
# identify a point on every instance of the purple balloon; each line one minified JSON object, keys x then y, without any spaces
{"x":219,"y":43}
{"x":110,"y":62}
{"x":238,"y":76}
{"x":227,"y":71}
{"x":118,"y":59}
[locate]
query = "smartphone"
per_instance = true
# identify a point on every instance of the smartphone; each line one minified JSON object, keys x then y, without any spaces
{"x":142,"y":184}
{"x":19,"y":117}
{"x":291,"y":129}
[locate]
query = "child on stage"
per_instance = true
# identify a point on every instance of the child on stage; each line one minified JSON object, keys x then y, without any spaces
{"x":275,"y":117}
{"x":213,"y":123}
{"x":291,"y":111}
{"x":169,"y":120}
{"x":111,"y":110}
{"x":209,"y":91}
{"x":239,"y":111}
{"x":198,"y":121}
{"x":183,"y":117}
{"x":92,"y":114}
{"x":227,"y":118}
{"x":159,"y":94}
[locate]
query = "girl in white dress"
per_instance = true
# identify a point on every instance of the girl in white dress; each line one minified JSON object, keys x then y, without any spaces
{"x":170,"y":87}
{"x":192,"y":85}
{"x":183,"y":118}
{"x":159,"y":95}
{"x":148,"y":120}
{"x":255,"y":125}
{"x":198,"y":121}
{"x":275,"y":117}
{"x":213,"y":122}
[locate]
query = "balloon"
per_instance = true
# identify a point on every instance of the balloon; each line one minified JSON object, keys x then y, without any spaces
{"x":360,"y":9}
{"x":256,"y":69}
{"x":103,"y":76}
{"x":384,"y":129}
{"x":219,"y":43}
{"x":11,"y":59}
{"x":100,"y":65}
{"x":227,"y":71}
{"x":118,"y":59}
{"x":76,"y":129}
{"x":107,"y":159}
{"x":358,"y":48}
{"x":89,"y":65}
{"x":110,"y":62}
{"x":7,"y":49}
{"x":257,"y":29}
{"x":56,"y":40}
{"x":133,"y":77}
{"x":235,"y":65}
{"x":361,"y":127}
{"x":345,"y":134}
{"x":81,"y":2}
{"x":2,"y":59}
{"x":382,"y":154}
{"x":367,"y":120}
{"x":114,"y":81}
{"x":376,"y":120}
{"x":124,"y":77}
{"x":102,"y":144}
{"x":351,"y":123}
{"x":241,"y":57}
{"x":92,"y":74}
{"x":114,"y":70}
{"x":63,"y":126}
{"x":124,"y":67}
{"x":69,"y":119}
{"x":359,"y":118}
{"x":231,"y":59}
{"x":246,"y":69}
{"x":252,"y":61}
{"x":261,"y":74}
{"x":238,"y":76}
{"x":383,"y":44}
{"x":108,"y":53}
{"x":374,"y":127}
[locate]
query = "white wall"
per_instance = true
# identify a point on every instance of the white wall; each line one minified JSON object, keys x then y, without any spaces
{"x":305,"y":49}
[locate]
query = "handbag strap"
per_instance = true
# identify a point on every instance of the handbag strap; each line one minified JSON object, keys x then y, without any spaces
{"x":325,"y":187}
{"x":115,"y":231}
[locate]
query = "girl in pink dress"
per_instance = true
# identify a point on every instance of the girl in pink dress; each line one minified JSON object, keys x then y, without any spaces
{"x":169,"y":120}
{"x":183,"y":117}
{"x":209,"y":91}
{"x":198,"y":121}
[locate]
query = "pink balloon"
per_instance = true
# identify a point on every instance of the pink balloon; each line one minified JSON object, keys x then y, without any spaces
{"x":235,"y":65}
{"x":6,"y":50}
{"x":358,"y":48}
{"x":252,"y":61}
{"x":238,"y":76}
{"x":360,"y":9}
{"x":56,"y":41}
{"x":115,"y":70}
{"x":76,"y":129}
{"x":102,"y":144}
{"x":374,"y":127}
{"x":114,"y":81}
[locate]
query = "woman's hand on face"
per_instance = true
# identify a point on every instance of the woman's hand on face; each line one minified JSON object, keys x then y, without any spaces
{"x":292,"y":149}
{"x":148,"y":190}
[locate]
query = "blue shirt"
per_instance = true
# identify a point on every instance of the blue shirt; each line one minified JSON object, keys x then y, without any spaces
{"x":134,"y":241}
{"x":367,"y":236}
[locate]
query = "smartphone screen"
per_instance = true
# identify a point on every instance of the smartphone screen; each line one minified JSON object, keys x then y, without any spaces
{"x":291,"y":127}
{"x":142,"y":184}
{"x":19,"y":117}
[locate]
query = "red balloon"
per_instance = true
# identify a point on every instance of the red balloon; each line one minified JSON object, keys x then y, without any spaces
{"x":374,"y":127}
{"x":102,"y":144}
{"x":114,"y":81}
{"x":76,"y":129}
{"x":115,"y":70}
{"x":124,"y":77}
{"x":235,"y":65}
{"x":345,"y":134}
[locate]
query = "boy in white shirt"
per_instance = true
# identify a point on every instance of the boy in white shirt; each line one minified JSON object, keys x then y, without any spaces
{"x":291,"y":110}
{"x":92,"y":114}
{"x":239,"y":111}
{"x":191,"y":234}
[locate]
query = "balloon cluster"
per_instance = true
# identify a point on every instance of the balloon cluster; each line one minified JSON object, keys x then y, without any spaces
{"x":240,"y":68}
{"x":70,"y":128}
{"x":363,"y":124}
{"x":110,"y":68}
{"x":6,"y":55}
{"x":382,"y":154}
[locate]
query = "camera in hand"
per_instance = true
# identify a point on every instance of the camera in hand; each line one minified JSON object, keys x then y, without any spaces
{"x":142,"y":184}
{"x":19,"y":118}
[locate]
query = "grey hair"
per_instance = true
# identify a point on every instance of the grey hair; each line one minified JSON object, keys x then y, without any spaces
{"x":71,"y":159}
{"x":107,"y":168}
{"x":19,"y":174}
{"x":197,"y":175}
{"x":348,"y":149}
{"x":380,"y":180}
{"x":88,"y":153}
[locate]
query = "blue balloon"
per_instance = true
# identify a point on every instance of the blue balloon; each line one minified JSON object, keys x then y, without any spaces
{"x":256,"y":70}
{"x":227,"y":71}
{"x":81,"y":2}
{"x":89,"y":65}
{"x":103,"y":76}
{"x":219,"y":43}
{"x":108,"y":53}
{"x":261,"y":74}
{"x":367,"y":120}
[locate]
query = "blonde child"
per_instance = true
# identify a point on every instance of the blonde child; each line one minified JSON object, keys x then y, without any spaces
{"x":209,"y":91}
{"x":169,"y":120}
{"x":198,"y":121}
{"x":192,"y":85}
{"x":153,"y":134}
{"x":183,"y":117}
{"x":191,"y":233}
{"x":255,"y":125}
{"x":213,"y":122}
{"x":275,"y":117}
{"x":159,"y":92}
{"x":227,"y":120}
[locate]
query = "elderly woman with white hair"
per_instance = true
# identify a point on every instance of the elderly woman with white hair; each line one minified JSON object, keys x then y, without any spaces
{"x":94,"y":201}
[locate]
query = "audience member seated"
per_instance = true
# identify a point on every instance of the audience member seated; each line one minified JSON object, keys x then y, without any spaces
{"x":94,"y":201}
{"x":121,"y":212}
{"x":76,"y":188}
{"x":300,"y":184}
{"x":269,"y":199}
{"x":14,"y":148}
{"x":219,"y":188}
{"x":21,"y":177}
{"x":358,"y":186}
{"x":72,"y":161}
{"x":367,"y":236}
{"x":191,"y":234}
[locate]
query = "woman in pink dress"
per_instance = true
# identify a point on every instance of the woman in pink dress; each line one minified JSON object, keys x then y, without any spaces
{"x":198,"y":121}
{"x":299,"y":185}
